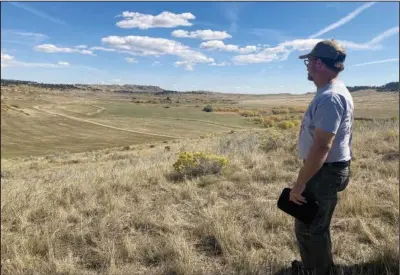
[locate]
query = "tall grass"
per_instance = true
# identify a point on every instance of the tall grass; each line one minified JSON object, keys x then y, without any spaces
{"x":117,"y":212}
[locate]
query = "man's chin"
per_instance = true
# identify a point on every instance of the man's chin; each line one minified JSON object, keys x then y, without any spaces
{"x":310,"y":78}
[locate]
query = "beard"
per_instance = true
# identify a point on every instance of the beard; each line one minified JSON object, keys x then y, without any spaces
{"x":309,"y":77}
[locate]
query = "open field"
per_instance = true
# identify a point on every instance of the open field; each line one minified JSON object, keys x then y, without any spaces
{"x":88,"y":186}
{"x":38,"y":122}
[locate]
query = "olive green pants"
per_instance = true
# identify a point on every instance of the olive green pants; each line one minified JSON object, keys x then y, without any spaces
{"x":314,"y":240}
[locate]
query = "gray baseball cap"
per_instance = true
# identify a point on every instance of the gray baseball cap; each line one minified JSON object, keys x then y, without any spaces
{"x":330,"y":51}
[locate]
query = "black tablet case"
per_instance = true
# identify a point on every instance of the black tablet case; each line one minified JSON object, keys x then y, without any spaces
{"x":305,"y":212}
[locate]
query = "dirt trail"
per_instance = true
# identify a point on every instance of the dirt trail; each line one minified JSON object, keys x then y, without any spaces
{"x":208,"y":122}
{"x":99,"y":110}
{"x":103,"y":125}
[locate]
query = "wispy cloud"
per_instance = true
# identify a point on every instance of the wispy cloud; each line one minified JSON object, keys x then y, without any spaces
{"x":221,"y":64}
{"x":373,"y":44}
{"x":10,"y":61}
{"x":283,"y":50}
{"x":220,"y":45}
{"x":102,"y":49}
{"x":343,"y":20}
{"x":231,"y":12}
{"x":50,"y":48}
{"x":202,"y":34}
{"x":22,"y":37}
{"x":63,"y":63}
{"x":130,"y":60}
{"x":37,"y":36}
{"x":38,"y":13}
{"x":163,"y":20}
{"x":376,"y":62}
{"x":81,"y":47}
{"x":384,"y":35}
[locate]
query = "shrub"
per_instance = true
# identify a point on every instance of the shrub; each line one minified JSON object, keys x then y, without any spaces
{"x":297,"y":122}
{"x":286,"y":125}
{"x":297,"y":109}
{"x":258,"y":120}
{"x":268,"y":122}
{"x":248,"y":113}
{"x":226,"y":109}
{"x":280,"y":111}
{"x":199,"y":163}
{"x":208,"y":108}
{"x":272,"y":141}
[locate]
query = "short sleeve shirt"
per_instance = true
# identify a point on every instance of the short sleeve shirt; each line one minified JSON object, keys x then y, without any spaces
{"x":332,"y":110}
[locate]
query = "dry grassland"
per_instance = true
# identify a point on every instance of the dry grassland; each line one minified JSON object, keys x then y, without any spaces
{"x":121,"y":210}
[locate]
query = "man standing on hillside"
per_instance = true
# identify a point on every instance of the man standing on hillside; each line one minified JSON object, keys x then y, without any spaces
{"x":325,"y":146}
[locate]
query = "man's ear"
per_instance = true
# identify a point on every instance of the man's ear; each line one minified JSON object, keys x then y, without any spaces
{"x":319,"y":64}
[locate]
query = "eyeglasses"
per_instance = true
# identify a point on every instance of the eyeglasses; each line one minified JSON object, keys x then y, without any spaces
{"x":307,"y":61}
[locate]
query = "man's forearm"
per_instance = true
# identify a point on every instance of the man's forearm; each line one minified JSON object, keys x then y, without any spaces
{"x":313,"y":163}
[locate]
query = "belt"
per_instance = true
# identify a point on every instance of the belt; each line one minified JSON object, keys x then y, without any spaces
{"x":337,"y":164}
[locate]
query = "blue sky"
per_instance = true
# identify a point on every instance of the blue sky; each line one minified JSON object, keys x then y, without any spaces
{"x":235,"y":47}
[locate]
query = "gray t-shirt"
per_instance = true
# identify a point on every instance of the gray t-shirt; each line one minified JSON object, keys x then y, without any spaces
{"x":332,"y":110}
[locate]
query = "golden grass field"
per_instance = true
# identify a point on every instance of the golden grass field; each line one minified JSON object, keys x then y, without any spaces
{"x":88,"y":187}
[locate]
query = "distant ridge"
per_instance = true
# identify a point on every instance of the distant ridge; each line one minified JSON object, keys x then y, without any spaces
{"x":388,"y":87}
{"x":129,"y":88}
{"x":125,"y":89}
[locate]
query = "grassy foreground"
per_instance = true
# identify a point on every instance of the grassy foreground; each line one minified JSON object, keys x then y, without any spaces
{"x":121,"y":212}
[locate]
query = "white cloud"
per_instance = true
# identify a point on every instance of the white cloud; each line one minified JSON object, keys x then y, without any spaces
{"x":343,"y":20}
{"x":130,"y":60}
{"x":267,"y":55}
{"x":150,"y":46}
{"x":22,"y":37}
{"x":9,"y":61}
{"x":221,"y":64}
{"x":202,"y":34}
{"x":220,"y":45}
{"x":187,"y":64}
{"x":357,"y":46}
{"x":102,"y":49}
{"x":163,"y":20}
{"x":384,"y":35}
{"x":63,"y":63}
{"x":37,"y":36}
{"x":155,"y":63}
{"x":300,"y":44}
{"x":81,"y":47}
{"x":373,"y":44}
{"x":6,"y":58}
{"x":50,"y":48}
{"x":376,"y":62}
{"x":283,"y":50}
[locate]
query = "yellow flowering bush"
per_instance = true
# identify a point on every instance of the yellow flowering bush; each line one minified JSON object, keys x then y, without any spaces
{"x":248,"y":113}
{"x":286,"y":125}
{"x":199,"y":163}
